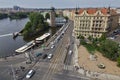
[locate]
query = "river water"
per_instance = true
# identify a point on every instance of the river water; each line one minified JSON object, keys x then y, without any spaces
{"x":7,"y":44}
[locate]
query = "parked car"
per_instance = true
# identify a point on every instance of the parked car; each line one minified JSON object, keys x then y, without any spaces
{"x":50,"y":56}
{"x":30,"y":74}
{"x":70,"y":52}
{"x":52,"y":46}
{"x":101,"y":66}
{"x":38,"y":54}
{"x":112,"y":37}
{"x":44,"y":56}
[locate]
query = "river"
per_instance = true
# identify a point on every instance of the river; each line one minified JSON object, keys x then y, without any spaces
{"x":7,"y":27}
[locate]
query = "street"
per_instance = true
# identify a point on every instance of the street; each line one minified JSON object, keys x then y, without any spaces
{"x":59,"y":67}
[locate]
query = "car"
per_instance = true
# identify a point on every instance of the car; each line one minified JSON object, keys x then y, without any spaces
{"x":112,"y":37}
{"x":70,"y":52}
{"x":52,"y":46}
{"x":30,"y":74}
{"x":101,"y":66}
{"x":50,"y":56}
{"x":38,"y":54}
{"x":44,"y":56}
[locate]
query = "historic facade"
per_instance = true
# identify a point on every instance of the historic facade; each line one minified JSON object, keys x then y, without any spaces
{"x":94,"y":21}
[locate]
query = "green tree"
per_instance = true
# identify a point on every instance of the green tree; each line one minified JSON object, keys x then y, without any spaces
{"x":90,"y":38}
{"x":118,"y":62}
{"x":66,"y":18}
{"x":103,"y":37}
{"x":2,"y":15}
{"x":35,"y":24}
{"x":18,"y":15}
{"x":47,"y":16}
{"x":109,"y":49}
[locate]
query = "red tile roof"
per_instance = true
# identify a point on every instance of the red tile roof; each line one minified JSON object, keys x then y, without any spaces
{"x":94,"y":10}
{"x":104,"y":11}
{"x":91,"y":11}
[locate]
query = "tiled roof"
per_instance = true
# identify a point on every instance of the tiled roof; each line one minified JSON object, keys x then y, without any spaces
{"x":104,"y":10}
{"x":93,"y":10}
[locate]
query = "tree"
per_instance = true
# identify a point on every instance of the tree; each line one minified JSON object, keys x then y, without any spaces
{"x":90,"y":38}
{"x":47,"y":16}
{"x":3,"y":15}
{"x":118,"y":62}
{"x":109,"y":49}
{"x":66,"y":18}
{"x":18,"y":15}
{"x":35,"y":24}
{"x":103,"y":37}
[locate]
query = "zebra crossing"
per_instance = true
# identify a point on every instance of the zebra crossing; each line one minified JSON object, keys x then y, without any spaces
{"x":68,"y":67}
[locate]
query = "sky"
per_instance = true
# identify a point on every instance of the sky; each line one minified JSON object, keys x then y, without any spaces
{"x":59,"y":3}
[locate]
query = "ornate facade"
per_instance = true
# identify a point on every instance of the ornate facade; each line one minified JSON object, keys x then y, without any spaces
{"x":93,"y":22}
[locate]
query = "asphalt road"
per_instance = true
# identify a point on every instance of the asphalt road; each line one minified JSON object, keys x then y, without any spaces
{"x":5,"y":67}
{"x":60,"y":67}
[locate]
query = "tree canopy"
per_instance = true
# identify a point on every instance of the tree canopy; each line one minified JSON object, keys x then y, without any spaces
{"x":109,"y":49}
{"x":47,"y":16}
{"x":35,"y":24}
{"x":18,"y":15}
{"x":3,"y":15}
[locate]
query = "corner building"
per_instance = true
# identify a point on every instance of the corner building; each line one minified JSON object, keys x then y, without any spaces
{"x":94,"y":22}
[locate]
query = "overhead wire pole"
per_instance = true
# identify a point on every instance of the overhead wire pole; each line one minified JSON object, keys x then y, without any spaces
{"x":14,"y":77}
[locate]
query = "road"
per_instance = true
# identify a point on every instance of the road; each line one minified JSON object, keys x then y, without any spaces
{"x":5,"y":67}
{"x":60,"y":67}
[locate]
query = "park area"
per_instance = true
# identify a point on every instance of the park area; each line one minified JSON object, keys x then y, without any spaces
{"x":92,"y":65}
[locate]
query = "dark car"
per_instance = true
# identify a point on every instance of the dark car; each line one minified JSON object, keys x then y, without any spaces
{"x":38,"y":54}
{"x":44,"y":56}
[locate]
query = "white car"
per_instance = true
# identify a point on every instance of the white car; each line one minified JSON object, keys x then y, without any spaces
{"x":50,"y":56}
{"x":30,"y":74}
{"x":52,"y":46}
{"x":70,"y":52}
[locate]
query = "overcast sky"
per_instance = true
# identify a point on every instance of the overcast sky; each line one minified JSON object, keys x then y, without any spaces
{"x":59,"y":3}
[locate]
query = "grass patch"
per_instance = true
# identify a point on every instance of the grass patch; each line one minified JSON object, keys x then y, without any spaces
{"x":91,"y":49}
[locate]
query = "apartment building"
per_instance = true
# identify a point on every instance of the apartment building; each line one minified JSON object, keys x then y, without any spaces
{"x":94,"y":21}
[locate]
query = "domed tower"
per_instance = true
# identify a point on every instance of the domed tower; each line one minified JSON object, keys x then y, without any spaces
{"x":52,"y":17}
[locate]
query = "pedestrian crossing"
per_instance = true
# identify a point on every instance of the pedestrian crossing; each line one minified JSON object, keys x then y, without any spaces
{"x":68,"y":67}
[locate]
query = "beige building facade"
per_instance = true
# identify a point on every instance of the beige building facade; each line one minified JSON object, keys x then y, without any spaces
{"x":93,"y":22}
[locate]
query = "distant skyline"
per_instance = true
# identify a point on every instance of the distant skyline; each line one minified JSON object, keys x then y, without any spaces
{"x":58,"y":3}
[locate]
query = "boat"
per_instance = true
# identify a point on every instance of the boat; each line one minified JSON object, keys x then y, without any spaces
{"x":25,"y":47}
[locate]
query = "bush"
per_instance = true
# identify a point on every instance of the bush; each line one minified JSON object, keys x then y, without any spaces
{"x":118,"y":62}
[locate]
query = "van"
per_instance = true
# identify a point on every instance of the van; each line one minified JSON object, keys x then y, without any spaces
{"x":30,"y":74}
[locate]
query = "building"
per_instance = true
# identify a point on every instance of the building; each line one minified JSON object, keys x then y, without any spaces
{"x":94,"y":21}
{"x":69,"y":13}
{"x":118,"y":12}
{"x":17,"y":8}
{"x":59,"y":21}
